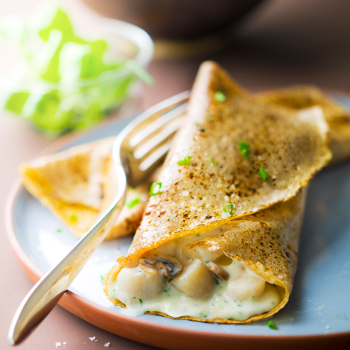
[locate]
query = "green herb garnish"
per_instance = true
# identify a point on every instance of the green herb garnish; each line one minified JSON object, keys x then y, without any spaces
{"x":208,"y":119}
{"x":170,"y":280}
{"x":166,"y":290}
{"x":73,"y":218}
{"x":155,"y":188}
{"x":207,"y":262}
{"x":202,"y":127}
{"x":185,"y":161}
{"x":102,"y":277}
{"x":272,"y":325}
{"x":130,"y":204}
{"x":134,"y":297}
{"x":213,"y":161}
{"x":244,"y":147}
{"x":219,"y":96}
{"x":58,"y":230}
{"x":141,"y":302}
{"x":230,"y":210}
{"x":262,"y":173}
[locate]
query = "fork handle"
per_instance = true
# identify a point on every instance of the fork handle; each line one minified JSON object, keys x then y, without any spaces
{"x":47,"y":292}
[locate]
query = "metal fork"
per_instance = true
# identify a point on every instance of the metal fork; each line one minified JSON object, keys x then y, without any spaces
{"x":137,"y":151}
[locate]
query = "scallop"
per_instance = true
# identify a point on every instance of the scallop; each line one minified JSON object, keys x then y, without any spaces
{"x":246,"y":287}
{"x":202,"y":252}
{"x":196,"y":281}
{"x":134,"y":284}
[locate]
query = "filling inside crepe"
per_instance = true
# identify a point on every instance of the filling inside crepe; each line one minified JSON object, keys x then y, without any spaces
{"x":184,"y":277}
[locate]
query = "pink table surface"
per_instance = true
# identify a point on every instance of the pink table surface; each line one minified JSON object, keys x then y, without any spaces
{"x":284,"y":42}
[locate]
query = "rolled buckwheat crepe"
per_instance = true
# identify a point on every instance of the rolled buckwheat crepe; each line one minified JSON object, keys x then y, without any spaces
{"x":218,"y":241}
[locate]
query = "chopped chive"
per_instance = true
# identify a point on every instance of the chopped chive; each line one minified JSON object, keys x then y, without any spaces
{"x":201,"y":126}
{"x":231,"y":318}
{"x":102,"y":277}
{"x":220,"y":96}
{"x":141,"y":302}
{"x":208,"y":118}
{"x":134,"y":297}
{"x":155,"y":188}
{"x":205,"y":315}
{"x":58,"y":230}
{"x":130,"y":204}
{"x":207,"y":262}
{"x":230,"y":211}
{"x":166,"y":290}
{"x":73,"y":218}
{"x":185,"y":161}
{"x":217,"y":281}
{"x":170,"y":280}
{"x":244,"y":147}
{"x":213,"y":161}
{"x":287,"y":234}
{"x":128,"y":151}
{"x":272,"y":325}
{"x":262,"y":173}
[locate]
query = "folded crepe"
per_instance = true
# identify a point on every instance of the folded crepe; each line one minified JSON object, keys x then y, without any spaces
{"x":87,"y":187}
{"x":337,"y":117}
{"x":79,"y":184}
{"x":219,"y":238}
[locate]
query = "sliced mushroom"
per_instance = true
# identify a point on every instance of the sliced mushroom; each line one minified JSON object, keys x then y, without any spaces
{"x":218,"y":271}
{"x":148,"y":269}
{"x":167,"y":265}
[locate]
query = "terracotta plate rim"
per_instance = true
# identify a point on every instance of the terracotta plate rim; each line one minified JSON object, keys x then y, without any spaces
{"x":172,"y":337}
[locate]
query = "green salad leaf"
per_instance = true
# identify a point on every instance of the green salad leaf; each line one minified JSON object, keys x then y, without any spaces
{"x":67,"y":81}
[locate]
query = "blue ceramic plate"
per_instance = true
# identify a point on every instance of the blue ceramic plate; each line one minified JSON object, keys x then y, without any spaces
{"x":320,"y":302}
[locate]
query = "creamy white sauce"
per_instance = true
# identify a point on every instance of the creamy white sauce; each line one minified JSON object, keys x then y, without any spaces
{"x":157,"y":293}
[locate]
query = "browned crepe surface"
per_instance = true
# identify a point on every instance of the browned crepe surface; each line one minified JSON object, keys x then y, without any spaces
{"x":192,"y":197}
{"x":79,"y":185}
{"x":337,"y":117}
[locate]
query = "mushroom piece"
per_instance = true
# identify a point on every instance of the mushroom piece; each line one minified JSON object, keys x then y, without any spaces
{"x":167,"y":265}
{"x":218,"y":271}
{"x":148,"y":269}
